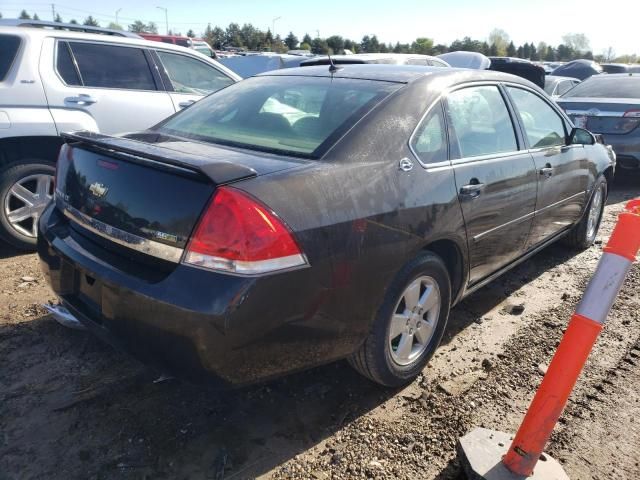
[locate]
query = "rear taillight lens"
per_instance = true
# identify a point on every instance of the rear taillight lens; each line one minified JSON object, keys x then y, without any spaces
{"x":632,"y":113}
{"x":240,"y":235}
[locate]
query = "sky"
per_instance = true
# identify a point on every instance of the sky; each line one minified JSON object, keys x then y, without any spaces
{"x":611,"y":24}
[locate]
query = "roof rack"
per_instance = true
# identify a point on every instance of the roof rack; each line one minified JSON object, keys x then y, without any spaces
{"x":73,"y":27}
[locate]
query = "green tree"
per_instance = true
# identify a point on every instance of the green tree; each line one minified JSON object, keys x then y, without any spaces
{"x":291,"y":41}
{"x":305,"y":46}
{"x":36,"y":17}
{"x":114,"y":26}
{"x":91,"y":22}
{"x":191,"y":34}
{"x":578,"y":42}
{"x":307,"y":39}
{"x":520,"y":52}
{"x":152,"y":27}
{"x":511,"y":50}
{"x":233,"y":35}
{"x":493,"y":50}
{"x":24,"y":15}
{"x":58,"y":18}
{"x":500,"y":39}
{"x":534,"y":53}
{"x":319,"y":46}
{"x":526,"y":51}
{"x":138,"y":27}
{"x":550,"y":56}
{"x":422,"y":46}
{"x":336,"y":44}
{"x":73,"y":21}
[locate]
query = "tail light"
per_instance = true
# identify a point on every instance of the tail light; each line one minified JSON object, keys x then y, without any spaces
{"x":634,"y":113}
{"x":65,"y":157}
{"x":238,"y":234}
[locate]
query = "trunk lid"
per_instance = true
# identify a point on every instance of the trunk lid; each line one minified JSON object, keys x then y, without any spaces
{"x":147,"y":191}
{"x":602,"y":115}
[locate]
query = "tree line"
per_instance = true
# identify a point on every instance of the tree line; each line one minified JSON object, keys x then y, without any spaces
{"x":498,"y":43}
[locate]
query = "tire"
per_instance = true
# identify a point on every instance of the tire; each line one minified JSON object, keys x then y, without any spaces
{"x":384,"y":359}
{"x":584,"y":233}
{"x":27,"y":185}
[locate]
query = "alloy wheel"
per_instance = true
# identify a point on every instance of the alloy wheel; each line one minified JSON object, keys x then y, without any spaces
{"x":26,"y":200}
{"x":594,"y":213}
{"x":414,"y":320}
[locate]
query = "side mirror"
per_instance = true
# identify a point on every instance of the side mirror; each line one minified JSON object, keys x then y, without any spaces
{"x":580,"y":136}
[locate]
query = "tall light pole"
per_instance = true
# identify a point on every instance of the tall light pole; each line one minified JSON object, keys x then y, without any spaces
{"x":117,"y":12}
{"x":166,"y":18}
{"x":273,"y":25}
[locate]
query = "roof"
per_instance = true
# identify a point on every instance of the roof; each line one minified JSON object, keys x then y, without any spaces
{"x":397,"y":73}
{"x":16,"y":22}
{"x":390,"y":58}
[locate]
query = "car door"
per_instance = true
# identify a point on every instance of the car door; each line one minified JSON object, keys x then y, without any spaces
{"x":188,"y":78}
{"x":562,"y":170}
{"x":496,"y":180}
{"x":103,"y":86}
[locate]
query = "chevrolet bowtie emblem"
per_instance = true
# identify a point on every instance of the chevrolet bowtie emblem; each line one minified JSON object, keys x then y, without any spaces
{"x":98,"y":190}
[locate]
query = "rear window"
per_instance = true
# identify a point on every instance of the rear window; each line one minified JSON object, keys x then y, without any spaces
{"x":607,"y":87}
{"x":295,"y":115}
{"x":110,"y":66}
{"x":9,"y":47}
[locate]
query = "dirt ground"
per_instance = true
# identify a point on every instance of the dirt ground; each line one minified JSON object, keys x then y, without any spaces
{"x":71,"y":407}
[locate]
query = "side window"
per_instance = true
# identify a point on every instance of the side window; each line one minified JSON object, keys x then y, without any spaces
{"x":10,"y":45}
{"x":542,"y":125}
{"x":564,"y":87}
{"x":110,"y":66}
{"x":430,"y":142}
{"x":480,"y":121}
{"x":65,"y":66}
{"x":192,"y":76}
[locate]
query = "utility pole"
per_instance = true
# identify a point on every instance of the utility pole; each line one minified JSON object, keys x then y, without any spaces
{"x":166,"y":18}
{"x":273,"y":25}
{"x":318,"y":33}
{"x":117,"y":12}
{"x":53,"y":12}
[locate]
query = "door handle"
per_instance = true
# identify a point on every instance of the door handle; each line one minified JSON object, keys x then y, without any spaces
{"x":186,"y":104}
{"x":82,"y":99}
{"x":547,"y":170}
{"x":472,"y":189}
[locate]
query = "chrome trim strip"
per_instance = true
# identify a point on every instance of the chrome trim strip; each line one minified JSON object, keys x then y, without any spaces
{"x":601,"y":113}
{"x":527,"y":216}
{"x":560,"y":202}
{"x":120,"y":237}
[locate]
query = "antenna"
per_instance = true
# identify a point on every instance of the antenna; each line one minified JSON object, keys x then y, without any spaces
{"x":332,"y":66}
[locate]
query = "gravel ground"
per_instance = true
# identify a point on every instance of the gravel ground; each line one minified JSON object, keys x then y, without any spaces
{"x":71,"y":407}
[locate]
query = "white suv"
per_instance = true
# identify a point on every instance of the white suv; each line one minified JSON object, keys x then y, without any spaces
{"x":54,"y":80}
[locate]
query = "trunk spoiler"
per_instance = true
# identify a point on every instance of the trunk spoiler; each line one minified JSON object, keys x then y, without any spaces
{"x":219,"y":172}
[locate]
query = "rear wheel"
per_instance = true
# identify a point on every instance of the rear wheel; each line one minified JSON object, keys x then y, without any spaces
{"x":25,"y":191}
{"x":584,"y":232}
{"x":409,"y":324}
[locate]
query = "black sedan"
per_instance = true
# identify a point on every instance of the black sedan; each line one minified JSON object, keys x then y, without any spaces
{"x":609,"y":105}
{"x":313,"y":214}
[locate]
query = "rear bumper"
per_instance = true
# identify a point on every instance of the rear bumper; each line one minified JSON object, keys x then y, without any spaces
{"x":188,"y":321}
{"x":627,"y":149}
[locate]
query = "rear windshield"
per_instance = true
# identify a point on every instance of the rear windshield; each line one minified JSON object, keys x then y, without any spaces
{"x":295,"y":115}
{"x":607,"y":87}
{"x":8,"y":48}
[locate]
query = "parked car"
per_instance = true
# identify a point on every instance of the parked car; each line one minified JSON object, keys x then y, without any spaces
{"x":307,"y":215}
{"x":250,"y":65}
{"x":609,"y":105}
{"x":382,"y":58}
{"x":520,"y":67}
{"x":557,"y":86}
{"x":54,"y":80}
{"x":464,"y":59}
{"x":580,"y":69}
{"x":620,"y":68}
{"x":171,"y":39}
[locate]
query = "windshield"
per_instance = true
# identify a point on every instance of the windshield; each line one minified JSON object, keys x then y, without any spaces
{"x":607,"y":87}
{"x":294,"y":115}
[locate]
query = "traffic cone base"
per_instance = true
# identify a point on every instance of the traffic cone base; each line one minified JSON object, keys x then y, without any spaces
{"x":481,"y":450}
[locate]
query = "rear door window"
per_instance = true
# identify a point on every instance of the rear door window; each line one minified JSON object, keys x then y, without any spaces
{"x":430,"y":142}
{"x":9,"y":49}
{"x":111,"y":66}
{"x":65,"y":66}
{"x":480,"y":121}
{"x":542,"y":124}
{"x":191,"y":76}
